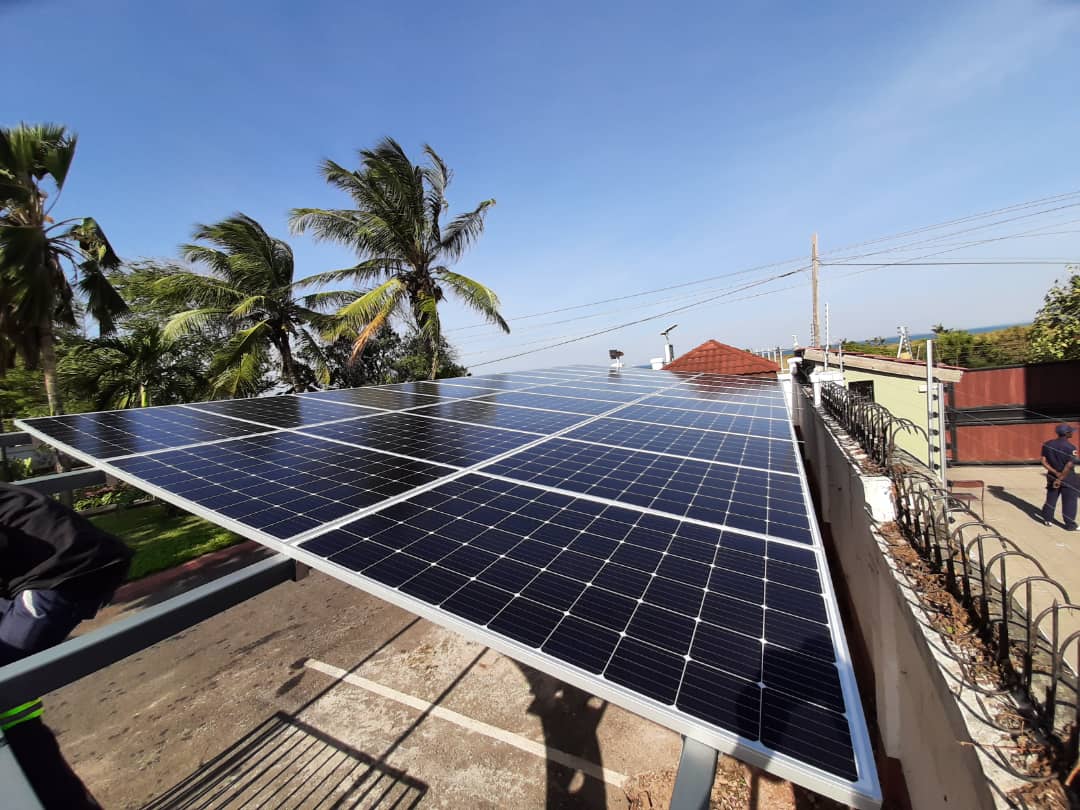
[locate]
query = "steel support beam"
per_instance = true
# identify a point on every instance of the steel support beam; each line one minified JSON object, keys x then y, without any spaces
{"x":694,"y":781}
{"x":58,"y":666}
{"x":64,"y":482}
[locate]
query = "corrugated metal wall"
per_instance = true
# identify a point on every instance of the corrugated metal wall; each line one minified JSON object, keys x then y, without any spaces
{"x":1032,"y":399}
{"x":1037,"y":386}
{"x":997,"y":444}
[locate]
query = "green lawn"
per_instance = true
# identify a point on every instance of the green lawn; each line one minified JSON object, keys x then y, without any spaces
{"x":160,"y":541}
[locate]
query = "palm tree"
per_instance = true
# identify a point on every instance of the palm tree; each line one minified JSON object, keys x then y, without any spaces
{"x":397,"y":232}
{"x":136,"y":369}
{"x":41,"y":258}
{"x":249,"y":294}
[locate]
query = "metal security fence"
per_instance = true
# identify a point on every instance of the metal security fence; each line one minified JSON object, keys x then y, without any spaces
{"x":1016,"y":608}
{"x":871,"y":424}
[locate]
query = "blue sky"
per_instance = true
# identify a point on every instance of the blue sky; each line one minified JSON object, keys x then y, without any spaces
{"x":629,"y":145}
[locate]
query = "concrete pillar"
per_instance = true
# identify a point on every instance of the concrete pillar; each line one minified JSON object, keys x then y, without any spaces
{"x":819,"y":376}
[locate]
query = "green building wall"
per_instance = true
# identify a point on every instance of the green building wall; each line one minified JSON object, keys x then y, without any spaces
{"x":902,"y":397}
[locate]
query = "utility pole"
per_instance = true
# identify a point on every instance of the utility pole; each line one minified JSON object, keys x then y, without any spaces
{"x":815,"y":338}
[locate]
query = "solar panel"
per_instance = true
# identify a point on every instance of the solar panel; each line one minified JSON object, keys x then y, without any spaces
{"x":283,"y":411}
{"x":730,"y":406}
{"x":507,"y":416}
{"x":555,"y":403}
{"x":705,"y":420}
{"x":731,"y":448}
{"x":738,"y":497}
{"x":109,"y":434}
{"x":374,"y":398}
{"x":655,"y":549}
{"x":455,"y":443}
{"x":280,"y":483}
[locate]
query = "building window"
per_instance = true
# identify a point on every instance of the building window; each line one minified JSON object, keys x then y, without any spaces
{"x":863,"y":388}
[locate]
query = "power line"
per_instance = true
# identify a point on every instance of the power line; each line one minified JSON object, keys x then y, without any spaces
{"x":867,"y":268}
{"x":981,"y":263}
{"x":878,"y":240}
{"x":646,"y":319}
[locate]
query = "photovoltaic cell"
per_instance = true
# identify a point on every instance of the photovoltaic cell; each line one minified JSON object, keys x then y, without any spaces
{"x":458,"y":444}
{"x":281,"y":483}
{"x":109,"y":434}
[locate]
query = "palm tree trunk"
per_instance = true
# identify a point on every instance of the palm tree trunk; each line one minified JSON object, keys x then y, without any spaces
{"x":288,"y":364}
{"x":48,"y":368}
{"x":434,"y":359}
{"x":144,"y":400}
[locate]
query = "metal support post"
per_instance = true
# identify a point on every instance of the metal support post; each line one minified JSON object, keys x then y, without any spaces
{"x":694,"y":781}
{"x":17,"y":791}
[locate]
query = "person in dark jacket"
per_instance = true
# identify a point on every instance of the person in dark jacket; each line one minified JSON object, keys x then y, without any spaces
{"x":1060,"y":461}
{"x":56,"y":569}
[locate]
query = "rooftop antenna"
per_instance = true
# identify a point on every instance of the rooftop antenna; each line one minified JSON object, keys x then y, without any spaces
{"x":669,"y":350}
{"x":616,"y":355}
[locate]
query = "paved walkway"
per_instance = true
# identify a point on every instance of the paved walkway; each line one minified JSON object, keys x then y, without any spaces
{"x":1014,"y":498}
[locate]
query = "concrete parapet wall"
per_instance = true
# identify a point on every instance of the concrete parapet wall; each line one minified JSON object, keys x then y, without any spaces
{"x":927,"y":718}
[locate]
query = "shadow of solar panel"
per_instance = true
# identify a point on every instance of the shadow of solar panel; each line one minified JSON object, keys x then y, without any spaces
{"x":109,"y":434}
{"x":730,"y":448}
{"x":282,"y":484}
{"x":505,"y":416}
{"x":283,"y":411}
{"x":455,"y":443}
{"x":741,"y":498}
{"x":671,"y":611}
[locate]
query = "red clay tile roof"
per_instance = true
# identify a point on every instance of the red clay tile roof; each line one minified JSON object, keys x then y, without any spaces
{"x":719,"y":358}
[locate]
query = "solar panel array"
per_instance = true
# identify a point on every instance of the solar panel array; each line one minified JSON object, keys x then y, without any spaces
{"x":644,"y":535}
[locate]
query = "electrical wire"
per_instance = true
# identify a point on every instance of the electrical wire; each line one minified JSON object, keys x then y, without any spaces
{"x":646,"y":319}
{"x":972,"y":217}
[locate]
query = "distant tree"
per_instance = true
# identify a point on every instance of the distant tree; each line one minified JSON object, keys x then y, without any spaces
{"x":46,"y":264}
{"x":403,"y":246}
{"x":415,"y":361}
{"x":136,"y":368}
{"x":328,"y":364}
{"x":1055,"y":332}
{"x":249,"y":294}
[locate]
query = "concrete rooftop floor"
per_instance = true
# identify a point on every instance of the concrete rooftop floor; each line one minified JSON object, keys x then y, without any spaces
{"x":1013,"y":501}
